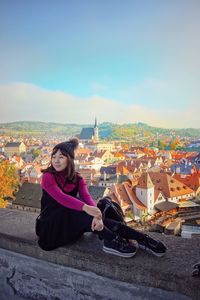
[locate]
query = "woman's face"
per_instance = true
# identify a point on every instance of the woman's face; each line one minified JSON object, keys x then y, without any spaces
{"x":59,"y":161}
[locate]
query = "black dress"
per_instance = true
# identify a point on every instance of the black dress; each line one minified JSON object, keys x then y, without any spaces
{"x":60,"y":225}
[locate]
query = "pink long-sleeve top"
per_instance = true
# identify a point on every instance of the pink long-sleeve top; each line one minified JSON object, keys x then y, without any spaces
{"x":50,"y":185}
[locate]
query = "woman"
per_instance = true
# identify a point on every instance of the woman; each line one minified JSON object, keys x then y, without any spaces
{"x":65,"y":216}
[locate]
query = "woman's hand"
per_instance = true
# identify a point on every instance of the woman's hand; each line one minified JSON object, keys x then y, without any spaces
{"x":92,"y":211}
{"x":97,"y":224}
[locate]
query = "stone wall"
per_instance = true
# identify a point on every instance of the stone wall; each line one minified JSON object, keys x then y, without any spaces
{"x":84,"y":266}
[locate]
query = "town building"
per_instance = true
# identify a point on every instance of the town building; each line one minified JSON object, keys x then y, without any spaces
{"x":28,"y":197}
{"x":90,"y":134}
{"x":152,"y":192}
{"x":14,"y":148}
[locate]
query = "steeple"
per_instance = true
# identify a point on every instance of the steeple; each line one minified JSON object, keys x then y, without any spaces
{"x":95,"y":123}
{"x":96,"y":131}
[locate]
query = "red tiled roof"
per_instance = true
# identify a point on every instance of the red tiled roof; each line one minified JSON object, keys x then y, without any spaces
{"x":133,"y":196}
{"x":169,"y":186}
{"x":80,"y":151}
{"x":156,"y":194}
{"x":125,"y":196}
{"x":145,"y":181}
{"x":192,"y":181}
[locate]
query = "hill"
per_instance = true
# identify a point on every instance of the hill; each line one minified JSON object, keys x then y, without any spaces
{"x":106,"y":130}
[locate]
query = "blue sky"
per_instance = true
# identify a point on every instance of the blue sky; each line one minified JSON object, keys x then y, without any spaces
{"x":123,"y":61}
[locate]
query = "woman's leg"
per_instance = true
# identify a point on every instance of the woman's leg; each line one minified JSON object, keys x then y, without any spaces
{"x":123,"y":230}
{"x":144,"y":240}
{"x":81,"y":222}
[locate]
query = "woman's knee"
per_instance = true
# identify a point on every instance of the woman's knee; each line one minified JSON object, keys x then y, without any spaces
{"x":81,"y":219}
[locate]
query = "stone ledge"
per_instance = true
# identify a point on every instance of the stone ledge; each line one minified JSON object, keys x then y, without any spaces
{"x":30,"y":278}
{"x":171,"y":272}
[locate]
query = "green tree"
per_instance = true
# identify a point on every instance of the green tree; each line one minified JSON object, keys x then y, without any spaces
{"x":36,"y":152}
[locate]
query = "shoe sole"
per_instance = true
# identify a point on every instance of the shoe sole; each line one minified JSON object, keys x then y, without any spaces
{"x":115,"y":252}
{"x":151,"y":251}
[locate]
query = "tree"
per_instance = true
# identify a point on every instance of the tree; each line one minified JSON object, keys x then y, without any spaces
{"x":161,"y":144}
{"x":175,"y":143}
{"x":36,"y":152}
{"x":9,"y":181}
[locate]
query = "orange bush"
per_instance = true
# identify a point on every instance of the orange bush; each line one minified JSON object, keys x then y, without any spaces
{"x":9,"y":181}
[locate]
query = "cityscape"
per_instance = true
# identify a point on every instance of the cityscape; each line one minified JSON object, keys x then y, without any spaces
{"x":155,"y":180}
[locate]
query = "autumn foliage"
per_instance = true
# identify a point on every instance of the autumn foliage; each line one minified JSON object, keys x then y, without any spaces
{"x":9,"y":181}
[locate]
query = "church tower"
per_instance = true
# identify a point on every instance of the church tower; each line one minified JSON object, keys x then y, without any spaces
{"x":145,"y":191}
{"x":96,"y":131}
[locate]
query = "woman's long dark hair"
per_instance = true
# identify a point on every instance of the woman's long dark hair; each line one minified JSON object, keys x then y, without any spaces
{"x":70,"y":174}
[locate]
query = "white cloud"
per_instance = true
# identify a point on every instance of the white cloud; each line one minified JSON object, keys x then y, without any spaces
{"x":22,"y":101}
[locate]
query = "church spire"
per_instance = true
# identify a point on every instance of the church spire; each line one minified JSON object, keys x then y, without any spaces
{"x":95,"y":124}
{"x":96,"y":131}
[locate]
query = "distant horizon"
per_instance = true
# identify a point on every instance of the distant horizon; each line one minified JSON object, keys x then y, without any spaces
{"x":99,"y":123}
{"x":124,"y":61}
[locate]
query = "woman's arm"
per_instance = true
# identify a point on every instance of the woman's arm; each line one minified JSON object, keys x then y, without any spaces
{"x":50,"y":186}
{"x":84,"y":193}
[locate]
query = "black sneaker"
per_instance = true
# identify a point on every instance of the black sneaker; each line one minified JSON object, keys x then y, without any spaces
{"x":157,"y":248}
{"x":119,"y":246}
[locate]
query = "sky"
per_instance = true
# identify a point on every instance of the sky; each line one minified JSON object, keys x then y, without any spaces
{"x":67,"y":61}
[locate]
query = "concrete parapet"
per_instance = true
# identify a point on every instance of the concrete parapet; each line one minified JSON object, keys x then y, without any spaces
{"x":30,"y":278}
{"x":170,"y":273}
